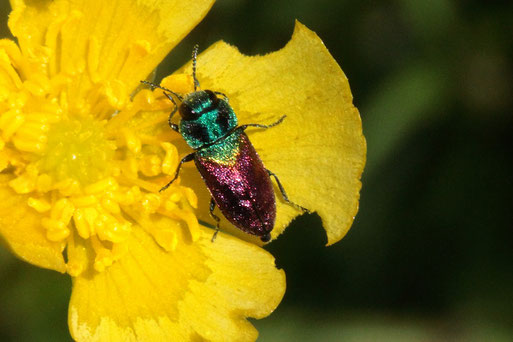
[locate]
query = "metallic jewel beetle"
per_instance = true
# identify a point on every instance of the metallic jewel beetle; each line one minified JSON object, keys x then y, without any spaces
{"x":238,"y":182}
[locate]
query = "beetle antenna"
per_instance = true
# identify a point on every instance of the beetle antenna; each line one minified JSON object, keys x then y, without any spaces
{"x":153,"y":86}
{"x":194,"y":58}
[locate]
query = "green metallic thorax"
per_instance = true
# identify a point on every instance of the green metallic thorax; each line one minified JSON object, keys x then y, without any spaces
{"x":224,"y":152}
{"x":214,"y":120}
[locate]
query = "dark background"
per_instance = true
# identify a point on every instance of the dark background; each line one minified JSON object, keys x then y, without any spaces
{"x":430,"y":255}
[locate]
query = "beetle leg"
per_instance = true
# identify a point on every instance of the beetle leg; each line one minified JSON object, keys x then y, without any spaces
{"x":215,"y":217}
{"x":185,"y":159}
{"x":284,"y":194}
{"x":280,"y":120}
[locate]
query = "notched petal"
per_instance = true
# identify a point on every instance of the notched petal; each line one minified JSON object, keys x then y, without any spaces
{"x":318,"y":152}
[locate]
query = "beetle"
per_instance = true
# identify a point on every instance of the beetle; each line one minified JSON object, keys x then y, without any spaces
{"x":238,"y":182}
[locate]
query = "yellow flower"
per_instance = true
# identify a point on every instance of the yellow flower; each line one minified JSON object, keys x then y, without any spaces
{"x":83,"y":154}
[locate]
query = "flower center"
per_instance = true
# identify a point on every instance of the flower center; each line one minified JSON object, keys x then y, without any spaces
{"x":77,"y":149}
{"x":91,"y":177}
{"x":93,"y":180}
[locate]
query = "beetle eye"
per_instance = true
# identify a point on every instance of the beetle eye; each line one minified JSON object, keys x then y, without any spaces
{"x":187,"y":113}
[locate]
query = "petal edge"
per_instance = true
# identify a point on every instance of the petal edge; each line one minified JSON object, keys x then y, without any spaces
{"x":319,"y":151}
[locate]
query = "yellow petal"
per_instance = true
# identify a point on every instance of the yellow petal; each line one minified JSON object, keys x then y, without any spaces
{"x":20,"y":227}
{"x":111,"y":40}
{"x":318,"y":152}
{"x":199,"y":291}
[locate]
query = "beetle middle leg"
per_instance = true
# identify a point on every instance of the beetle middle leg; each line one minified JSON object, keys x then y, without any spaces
{"x":284,"y":194}
{"x":215,"y":217}
{"x":185,"y":159}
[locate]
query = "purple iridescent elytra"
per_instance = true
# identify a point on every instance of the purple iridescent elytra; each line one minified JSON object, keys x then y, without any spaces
{"x":239,"y":183}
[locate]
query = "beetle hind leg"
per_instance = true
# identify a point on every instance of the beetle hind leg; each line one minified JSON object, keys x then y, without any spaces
{"x":215,"y":217}
{"x":284,"y":194}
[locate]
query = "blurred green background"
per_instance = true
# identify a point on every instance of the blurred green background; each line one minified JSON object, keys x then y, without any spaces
{"x":430,"y":255}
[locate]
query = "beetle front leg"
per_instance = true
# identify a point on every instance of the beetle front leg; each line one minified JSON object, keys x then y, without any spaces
{"x":215,"y":217}
{"x":280,"y":120}
{"x":185,"y":159}
{"x":284,"y":194}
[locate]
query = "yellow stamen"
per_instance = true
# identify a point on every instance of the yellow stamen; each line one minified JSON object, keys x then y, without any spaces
{"x":68,"y":187}
{"x":55,"y":230}
{"x":111,"y":205}
{"x":23,"y":184}
{"x":104,"y":256}
{"x":170,"y":161}
{"x":188,"y":217}
{"x":150,"y":165}
{"x":133,"y":143}
{"x":40,"y":205}
{"x":28,"y":145}
{"x":77,"y":257}
{"x":167,"y":237}
{"x":192,"y":199}
{"x":150,"y":203}
{"x":98,"y":187}
{"x":81,"y":224}
{"x":9,"y":122}
{"x":43,"y":183}
{"x":88,"y":157}
{"x":85,"y":201}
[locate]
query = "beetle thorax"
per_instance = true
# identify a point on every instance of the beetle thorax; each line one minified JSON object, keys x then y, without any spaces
{"x":205,"y":118}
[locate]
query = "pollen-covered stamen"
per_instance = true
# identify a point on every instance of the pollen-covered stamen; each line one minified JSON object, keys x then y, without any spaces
{"x":88,"y":156}
{"x":170,"y":160}
{"x":92,"y":180}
